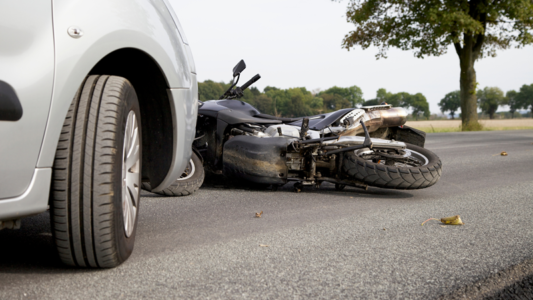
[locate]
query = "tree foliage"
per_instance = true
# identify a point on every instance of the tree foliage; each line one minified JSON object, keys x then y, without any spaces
{"x":351,"y":96}
{"x":512,"y":101}
{"x":490,"y":98}
{"x":430,"y":26}
{"x":296,"y":102}
{"x":451,"y":102}
{"x":525,"y":97}
{"x":476,"y":28}
{"x":416,"y":102}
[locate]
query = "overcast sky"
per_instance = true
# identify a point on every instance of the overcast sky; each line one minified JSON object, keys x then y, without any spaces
{"x":297,"y":43}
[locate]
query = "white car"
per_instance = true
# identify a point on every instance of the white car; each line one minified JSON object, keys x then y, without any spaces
{"x":95,"y":97}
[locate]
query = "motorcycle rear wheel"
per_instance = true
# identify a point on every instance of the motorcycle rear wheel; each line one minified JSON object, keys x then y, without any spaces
{"x":424,"y":171}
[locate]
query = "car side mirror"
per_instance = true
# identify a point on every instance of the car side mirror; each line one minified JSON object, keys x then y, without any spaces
{"x":239,"y":68}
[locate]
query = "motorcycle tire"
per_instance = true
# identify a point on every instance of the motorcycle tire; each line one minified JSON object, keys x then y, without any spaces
{"x":190,"y":181}
{"x":392,"y":176}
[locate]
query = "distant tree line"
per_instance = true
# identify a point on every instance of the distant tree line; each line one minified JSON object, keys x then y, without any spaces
{"x":490,"y":98}
{"x":297,"y":102}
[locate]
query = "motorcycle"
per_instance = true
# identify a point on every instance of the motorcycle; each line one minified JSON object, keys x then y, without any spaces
{"x":360,"y":147}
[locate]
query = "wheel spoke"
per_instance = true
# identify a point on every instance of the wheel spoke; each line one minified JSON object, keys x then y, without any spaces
{"x":133,"y":157}
{"x":189,"y":171}
{"x":133,"y":187}
{"x":130,"y":173}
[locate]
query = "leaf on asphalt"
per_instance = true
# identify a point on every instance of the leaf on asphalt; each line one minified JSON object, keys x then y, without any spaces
{"x":503,"y":153}
{"x":259,"y":214}
{"x":261,"y":245}
{"x":455,"y":220}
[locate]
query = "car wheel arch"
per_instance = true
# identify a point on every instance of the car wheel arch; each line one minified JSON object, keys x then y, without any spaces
{"x":151,"y":86}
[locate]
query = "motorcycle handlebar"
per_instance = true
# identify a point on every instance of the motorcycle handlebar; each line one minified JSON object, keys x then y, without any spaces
{"x":250,"y":82}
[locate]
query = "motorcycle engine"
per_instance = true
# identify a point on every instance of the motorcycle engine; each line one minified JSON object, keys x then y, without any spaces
{"x":287,"y":131}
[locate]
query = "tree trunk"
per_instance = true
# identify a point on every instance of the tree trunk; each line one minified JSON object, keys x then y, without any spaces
{"x":468,"y":94}
{"x":467,"y":58}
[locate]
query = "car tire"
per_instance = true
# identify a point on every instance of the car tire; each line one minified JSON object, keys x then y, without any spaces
{"x":191,"y":180}
{"x":96,"y":175}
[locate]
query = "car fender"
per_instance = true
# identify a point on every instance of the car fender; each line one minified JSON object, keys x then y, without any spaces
{"x":106,"y":26}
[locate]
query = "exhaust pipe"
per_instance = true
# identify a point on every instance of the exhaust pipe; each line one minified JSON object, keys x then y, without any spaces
{"x":377,"y":119}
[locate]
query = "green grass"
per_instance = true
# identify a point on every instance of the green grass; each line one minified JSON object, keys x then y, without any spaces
{"x":458,"y":129}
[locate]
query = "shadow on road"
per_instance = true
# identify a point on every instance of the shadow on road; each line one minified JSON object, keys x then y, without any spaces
{"x":31,"y":249}
{"x":325,"y":188}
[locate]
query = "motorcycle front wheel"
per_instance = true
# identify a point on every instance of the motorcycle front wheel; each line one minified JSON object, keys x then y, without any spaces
{"x":414,"y":168}
{"x":189,"y":182}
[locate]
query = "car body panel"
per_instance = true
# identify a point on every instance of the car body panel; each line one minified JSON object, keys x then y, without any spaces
{"x":27,"y":65}
{"x":106,"y":26}
{"x":139,"y":24}
{"x":31,"y":202}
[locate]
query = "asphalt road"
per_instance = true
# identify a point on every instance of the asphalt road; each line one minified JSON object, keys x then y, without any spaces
{"x":322,"y":243}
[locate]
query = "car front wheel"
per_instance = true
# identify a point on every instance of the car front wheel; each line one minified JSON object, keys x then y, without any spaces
{"x":97,"y":174}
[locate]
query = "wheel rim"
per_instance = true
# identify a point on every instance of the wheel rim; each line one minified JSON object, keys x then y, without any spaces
{"x":130,"y":173}
{"x":189,"y":171}
{"x":419,"y":156}
{"x":411,"y":158}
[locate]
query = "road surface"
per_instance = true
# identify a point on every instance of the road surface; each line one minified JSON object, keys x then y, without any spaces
{"x":320,"y":243}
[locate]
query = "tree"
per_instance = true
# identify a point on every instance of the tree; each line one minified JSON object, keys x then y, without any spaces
{"x":334,"y":102}
{"x":489,"y":100}
{"x":353,"y":94}
{"x":476,"y":28}
{"x":419,"y":104}
{"x":525,"y":97}
{"x":371,"y":102}
{"x":264,"y":104}
{"x":416,"y":102}
{"x":451,"y":102}
{"x":512,"y":101}
{"x":210,"y":90}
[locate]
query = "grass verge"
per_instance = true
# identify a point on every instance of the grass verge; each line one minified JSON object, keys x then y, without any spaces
{"x":458,"y":129}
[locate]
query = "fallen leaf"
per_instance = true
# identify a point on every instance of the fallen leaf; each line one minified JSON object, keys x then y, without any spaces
{"x":503,"y":153}
{"x":455,"y":220}
{"x":259,"y":214}
{"x":261,"y":245}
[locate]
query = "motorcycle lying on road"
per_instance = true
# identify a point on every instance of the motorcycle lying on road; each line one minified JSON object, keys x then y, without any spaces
{"x":360,"y":147}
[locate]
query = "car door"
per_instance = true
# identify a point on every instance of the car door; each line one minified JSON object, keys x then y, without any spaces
{"x":26,"y":80}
